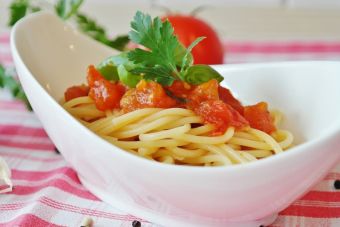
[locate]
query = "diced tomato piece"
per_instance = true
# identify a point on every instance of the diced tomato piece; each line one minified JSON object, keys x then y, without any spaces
{"x":146,"y":94}
{"x":221,"y":115}
{"x":93,"y":75}
{"x":259,"y":117}
{"x":76,"y":92}
{"x":226,"y":96}
{"x":180,"y":89}
{"x":204,"y":92}
{"x":105,"y":94}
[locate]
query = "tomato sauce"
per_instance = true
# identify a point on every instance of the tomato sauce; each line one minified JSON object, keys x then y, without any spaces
{"x":214,"y":103}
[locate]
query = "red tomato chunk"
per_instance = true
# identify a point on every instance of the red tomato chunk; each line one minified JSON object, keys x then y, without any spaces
{"x":226,"y":96}
{"x":205,"y":91}
{"x":105,"y":94}
{"x":204,"y":100}
{"x":180,"y":89}
{"x":221,"y":115}
{"x":76,"y":92}
{"x":146,"y":94}
{"x":259,"y":117}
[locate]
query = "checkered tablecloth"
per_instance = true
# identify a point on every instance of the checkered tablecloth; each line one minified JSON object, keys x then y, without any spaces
{"x":47,"y":191}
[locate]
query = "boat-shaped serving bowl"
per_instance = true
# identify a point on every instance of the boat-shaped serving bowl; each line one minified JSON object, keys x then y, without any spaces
{"x":50,"y":56}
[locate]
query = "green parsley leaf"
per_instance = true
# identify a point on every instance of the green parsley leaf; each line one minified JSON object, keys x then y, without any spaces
{"x":166,"y":58}
{"x":8,"y":81}
{"x":198,"y":74}
{"x":108,"y":67}
{"x":128,"y":78}
{"x":67,"y":8}
{"x":158,"y":36}
{"x":109,"y":71}
{"x":120,"y":68}
{"x":18,"y":10}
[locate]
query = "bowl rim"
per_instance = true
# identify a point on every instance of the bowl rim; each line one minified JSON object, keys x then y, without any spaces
{"x":330,"y":132}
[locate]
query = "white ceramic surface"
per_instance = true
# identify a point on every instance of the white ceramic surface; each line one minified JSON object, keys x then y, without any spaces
{"x":50,"y":56}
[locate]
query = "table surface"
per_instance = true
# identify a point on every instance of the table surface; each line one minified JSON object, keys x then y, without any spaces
{"x":47,"y":191}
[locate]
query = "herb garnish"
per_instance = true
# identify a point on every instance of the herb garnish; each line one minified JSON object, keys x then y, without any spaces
{"x":163,"y":60}
{"x":159,"y":63}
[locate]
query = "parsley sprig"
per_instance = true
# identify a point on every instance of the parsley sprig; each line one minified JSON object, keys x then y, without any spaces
{"x":163,"y":59}
{"x":160,"y":62}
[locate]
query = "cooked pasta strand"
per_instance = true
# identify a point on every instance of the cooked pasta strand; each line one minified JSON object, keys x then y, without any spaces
{"x":168,"y":136}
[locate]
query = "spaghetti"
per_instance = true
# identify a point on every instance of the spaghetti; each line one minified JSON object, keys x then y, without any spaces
{"x":178,"y":135}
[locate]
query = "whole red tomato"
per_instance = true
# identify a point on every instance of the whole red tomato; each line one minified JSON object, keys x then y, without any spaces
{"x":188,"y":28}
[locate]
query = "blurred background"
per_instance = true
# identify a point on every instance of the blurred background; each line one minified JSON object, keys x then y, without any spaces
{"x":233,"y":19}
{"x":237,"y":22}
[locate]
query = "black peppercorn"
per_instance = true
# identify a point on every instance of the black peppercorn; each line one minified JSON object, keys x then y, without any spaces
{"x":136,"y":223}
{"x":56,"y":150}
{"x":337,"y":184}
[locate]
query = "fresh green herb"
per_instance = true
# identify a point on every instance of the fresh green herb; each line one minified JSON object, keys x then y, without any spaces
{"x":67,"y":8}
{"x":128,"y":78}
{"x":198,"y":74}
{"x":97,"y":32}
{"x":164,"y":61}
{"x":8,"y":81}
{"x":159,"y":37}
{"x":17,"y":10}
{"x":119,"y":68}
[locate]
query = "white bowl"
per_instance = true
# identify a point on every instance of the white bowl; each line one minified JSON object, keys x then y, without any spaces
{"x":50,"y":57}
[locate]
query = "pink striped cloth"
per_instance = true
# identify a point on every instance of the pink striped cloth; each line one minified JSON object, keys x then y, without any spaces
{"x":47,"y":191}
